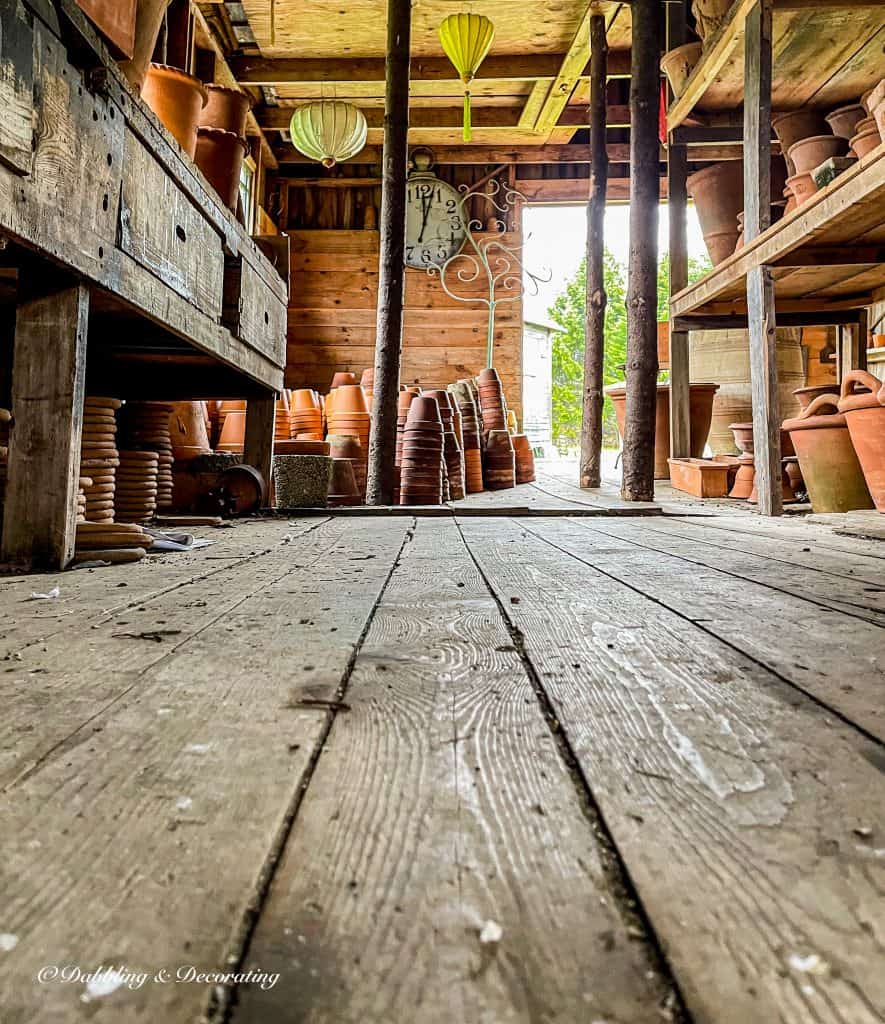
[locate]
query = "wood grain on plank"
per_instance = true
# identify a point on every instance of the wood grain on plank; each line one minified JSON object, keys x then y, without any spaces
{"x":440,"y":803}
{"x":144,"y":842}
{"x":746,"y":816}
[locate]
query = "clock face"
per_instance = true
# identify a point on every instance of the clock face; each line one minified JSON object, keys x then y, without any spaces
{"x":434,"y":228}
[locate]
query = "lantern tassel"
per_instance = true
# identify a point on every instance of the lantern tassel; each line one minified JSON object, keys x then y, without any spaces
{"x":468,"y":128}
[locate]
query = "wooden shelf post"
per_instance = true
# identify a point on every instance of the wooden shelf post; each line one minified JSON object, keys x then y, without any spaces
{"x":642,"y":329}
{"x":677,"y":206}
{"x":258,"y":441}
{"x":391,"y":262}
{"x":760,"y":284}
{"x":48,"y":385}
{"x":594,"y":336}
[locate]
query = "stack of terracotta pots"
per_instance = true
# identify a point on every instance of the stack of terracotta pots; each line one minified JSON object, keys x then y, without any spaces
{"x":499,"y":464}
{"x":349,"y":414}
{"x":177,"y":99}
{"x":342,"y":378}
{"x":137,"y":486}
{"x":454,"y":460}
{"x":282,"y":428}
{"x":404,"y":402}
{"x":462,"y":394}
{"x":232,"y":427}
{"x":99,"y":457}
{"x":145,"y":427}
{"x":189,"y":427}
{"x":305,"y":415}
{"x":421,"y":481}
{"x":367,"y":381}
{"x":862,"y":402}
{"x":221,"y":141}
{"x":491,"y":401}
{"x":342,"y":487}
{"x":525,"y":459}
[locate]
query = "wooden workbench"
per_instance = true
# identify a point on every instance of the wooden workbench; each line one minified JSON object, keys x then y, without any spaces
{"x":122,"y":273}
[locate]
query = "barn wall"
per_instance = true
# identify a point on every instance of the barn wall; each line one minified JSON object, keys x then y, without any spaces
{"x":332,"y":304}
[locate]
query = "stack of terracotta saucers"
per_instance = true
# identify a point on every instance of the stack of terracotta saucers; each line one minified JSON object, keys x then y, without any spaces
{"x":421,"y":481}
{"x":350,"y":415}
{"x":454,"y":458}
{"x":306,"y":415}
{"x":145,"y":427}
{"x":525,"y":459}
{"x":342,"y":378}
{"x":85,"y":481}
{"x":462,"y":395}
{"x":111,"y":542}
{"x":342,"y":487}
{"x":282,"y":428}
{"x":404,"y":401}
{"x":499,"y":468}
{"x":491,"y":400}
{"x":136,"y":497}
{"x":99,"y":457}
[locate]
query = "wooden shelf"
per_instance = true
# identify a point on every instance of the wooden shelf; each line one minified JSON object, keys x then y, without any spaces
{"x":827,"y":255}
{"x":824,"y":54}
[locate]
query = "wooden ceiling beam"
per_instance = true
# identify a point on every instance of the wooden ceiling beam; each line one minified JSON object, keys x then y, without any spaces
{"x":319,"y":71}
{"x":571,"y":154}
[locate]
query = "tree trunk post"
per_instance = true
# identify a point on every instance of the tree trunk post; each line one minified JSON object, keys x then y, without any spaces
{"x":391,"y":263}
{"x":594,"y":330}
{"x":760,"y":283}
{"x":642,"y":333}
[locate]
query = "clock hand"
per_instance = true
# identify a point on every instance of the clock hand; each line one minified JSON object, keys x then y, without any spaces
{"x":425,"y":210}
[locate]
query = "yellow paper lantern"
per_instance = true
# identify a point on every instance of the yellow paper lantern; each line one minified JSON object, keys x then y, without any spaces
{"x":466,"y":39}
{"x":328,"y":131}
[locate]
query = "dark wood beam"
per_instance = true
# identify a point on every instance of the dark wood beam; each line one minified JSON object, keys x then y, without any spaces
{"x":618,"y":153}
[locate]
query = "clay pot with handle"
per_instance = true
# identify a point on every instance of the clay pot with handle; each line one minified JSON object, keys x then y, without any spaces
{"x":830,"y":467}
{"x":226,"y":109}
{"x":863,"y":403}
{"x":177,"y":99}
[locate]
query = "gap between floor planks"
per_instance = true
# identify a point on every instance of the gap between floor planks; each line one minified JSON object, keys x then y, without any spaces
{"x":748,"y":817}
{"x":147,"y":842}
{"x":440,"y":810}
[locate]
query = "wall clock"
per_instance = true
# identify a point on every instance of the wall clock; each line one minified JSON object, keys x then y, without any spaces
{"x":435,"y":229}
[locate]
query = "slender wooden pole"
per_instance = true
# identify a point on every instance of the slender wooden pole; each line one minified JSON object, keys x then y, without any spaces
{"x":677,"y":204}
{"x":642,"y":342}
{"x":391,"y":265}
{"x":760,"y":283}
{"x":48,"y":385}
{"x":594,"y":331}
{"x":258,"y":444}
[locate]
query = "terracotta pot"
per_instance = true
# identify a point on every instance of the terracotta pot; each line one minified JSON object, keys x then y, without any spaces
{"x":865,"y":125}
{"x":743,"y":437}
{"x":368,"y":377}
{"x":233,"y":432}
{"x":304,"y":400}
{"x":220,"y":157}
{"x":148,"y":19}
{"x":878,"y":341}
{"x":866,"y":142}
{"x":115,"y":20}
{"x":794,"y":126}
{"x":830,"y":468}
{"x":802,"y":186}
{"x":499,"y":462}
{"x":225,"y":109}
{"x":807,"y":395}
{"x":424,"y":409}
{"x":792,"y":201}
{"x":342,"y":487}
{"x":341,"y":378}
{"x":177,"y":99}
{"x":865,"y":100}
{"x":349,"y":398}
{"x":879,"y":115}
{"x":807,"y":154}
{"x":404,"y":401}
{"x":865,"y":415}
{"x":843,"y":122}
{"x":700,"y":415}
{"x":345,"y":446}
{"x":678,"y":65}
{"x":187,"y":429}
{"x":718,"y":194}
{"x":709,"y":16}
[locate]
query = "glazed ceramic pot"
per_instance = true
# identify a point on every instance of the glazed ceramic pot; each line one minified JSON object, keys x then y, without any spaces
{"x":226,"y":109}
{"x":177,"y":99}
{"x":718,"y":194}
{"x":863,"y":403}
{"x":807,"y":154}
{"x":700,"y":416}
{"x":843,"y":122}
{"x":219,"y":156}
{"x":830,"y":468}
{"x":794,"y":126}
{"x":866,"y":142}
{"x":807,"y":395}
{"x":148,"y":19}
{"x":678,"y":65}
{"x":802,"y":186}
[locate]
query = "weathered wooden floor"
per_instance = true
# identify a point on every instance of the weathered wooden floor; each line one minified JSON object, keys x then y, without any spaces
{"x":453,"y":769}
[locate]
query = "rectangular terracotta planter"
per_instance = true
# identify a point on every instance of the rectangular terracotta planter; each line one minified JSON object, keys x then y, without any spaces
{"x":115,"y":19}
{"x":704,"y":478}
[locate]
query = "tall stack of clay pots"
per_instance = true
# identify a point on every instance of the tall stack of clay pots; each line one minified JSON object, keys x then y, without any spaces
{"x":421,"y":481}
{"x":453,"y":458}
{"x":342,"y":487}
{"x":99,"y":457}
{"x":491,"y":400}
{"x":305,"y":415}
{"x":282,"y":428}
{"x":221,"y":141}
{"x":346,"y":448}
{"x":525,"y":459}
{"x":499,"y":464}
{"x":404,"y":402}
{"x":145,"y":427}
{"x":349,"y":414}
{"x":231,"y":426}
{"x":189,"y":430}
{"x":462,"y":393}
{"x":862,"y":402}
{"x":137,"y":486}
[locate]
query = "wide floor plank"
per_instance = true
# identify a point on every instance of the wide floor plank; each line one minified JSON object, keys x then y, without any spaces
{"x":746,"y":815}
{"x":442,"y":867}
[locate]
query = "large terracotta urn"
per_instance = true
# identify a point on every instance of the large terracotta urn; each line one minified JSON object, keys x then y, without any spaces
{"x":700,"y":413}
{"x":718,"y":194}
{"x":724,"y":356}
{"x":862,"y":402}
